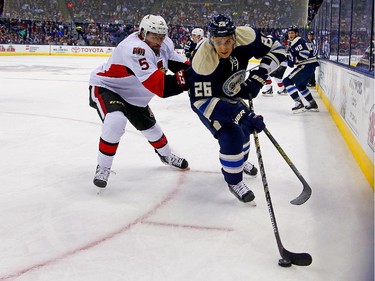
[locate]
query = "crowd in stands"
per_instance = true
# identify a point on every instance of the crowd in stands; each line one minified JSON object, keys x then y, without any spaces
{"x":98,"y":23}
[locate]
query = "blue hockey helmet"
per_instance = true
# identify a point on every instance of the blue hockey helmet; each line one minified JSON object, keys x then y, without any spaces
{"x":293,"y":28}
{"x":221,"y":26}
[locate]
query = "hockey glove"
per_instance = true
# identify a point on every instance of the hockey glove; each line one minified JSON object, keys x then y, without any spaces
{"x":182,"y":79}
{"x":252,"y":85}
{"x":252,"y":122}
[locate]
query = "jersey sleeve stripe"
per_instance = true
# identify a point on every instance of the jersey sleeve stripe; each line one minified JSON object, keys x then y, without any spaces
{"x":155,"y":83}
{"x":116,"y":71}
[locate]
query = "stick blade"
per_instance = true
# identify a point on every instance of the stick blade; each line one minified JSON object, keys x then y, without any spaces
{"x":303,"y":197}
{"x":300,"y":259}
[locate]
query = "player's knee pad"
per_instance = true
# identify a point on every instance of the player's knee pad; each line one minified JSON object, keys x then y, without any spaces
{"x":301,"y":88}
{"x":287,"y":81}
{"x":153,"y":133}
{"x":114,"y":126}
{"x":231,"y":139}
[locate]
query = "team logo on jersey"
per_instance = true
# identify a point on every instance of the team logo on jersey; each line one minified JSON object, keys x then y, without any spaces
{"x":234,"y":62}
{"x":139,"y":51}
{"x":160,"y":66}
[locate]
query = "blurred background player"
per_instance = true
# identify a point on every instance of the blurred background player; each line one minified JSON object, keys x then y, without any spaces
{"x":222,"y":61}
{"x":314,"y":46}
{"x":121,"y":89}
{"x":301,"y":57}
{"x":197,"y":38}
{"x":276,"y":77}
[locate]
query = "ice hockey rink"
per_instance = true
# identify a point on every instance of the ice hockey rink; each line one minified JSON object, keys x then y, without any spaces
{"x":157,"y":223}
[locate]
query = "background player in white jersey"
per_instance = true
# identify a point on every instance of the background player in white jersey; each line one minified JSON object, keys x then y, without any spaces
{"x":219,"y":64}
{"x":121,"y":89}
{"x":197,"y":38}
{"x":197,"y":35}
{"x":277,"y":77}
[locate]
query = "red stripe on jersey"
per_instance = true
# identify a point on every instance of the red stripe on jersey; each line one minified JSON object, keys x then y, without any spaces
{"x":115,"y":71}
{"x":155,"y":83}
{"x":160,"y":142}
{"x":100,"y":99}
{"x":107,"y":148}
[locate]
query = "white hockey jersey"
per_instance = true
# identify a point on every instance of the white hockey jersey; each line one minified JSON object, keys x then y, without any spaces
{"x":134,"y":71}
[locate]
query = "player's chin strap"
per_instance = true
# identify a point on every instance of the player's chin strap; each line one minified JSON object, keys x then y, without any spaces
{"x":288,"y":258}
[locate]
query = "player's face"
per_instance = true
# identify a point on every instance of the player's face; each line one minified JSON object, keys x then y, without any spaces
{"x":292,"y":35}
{"x":223,"y":46}
{"x":195,"y":38}
{"x":154,"y":40}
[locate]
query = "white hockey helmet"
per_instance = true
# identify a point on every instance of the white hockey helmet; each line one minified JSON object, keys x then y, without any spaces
{"x":198,"y":32}
{"x":154,"y":24}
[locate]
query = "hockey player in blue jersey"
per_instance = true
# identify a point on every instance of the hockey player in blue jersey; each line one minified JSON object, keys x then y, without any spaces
{"x":300,"y":55}
{"x":218,"y":85}
{"x":314,"y":46}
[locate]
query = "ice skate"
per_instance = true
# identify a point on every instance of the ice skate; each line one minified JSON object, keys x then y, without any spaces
{"x":250,"y":169}
{"x":101,"y":177}
{"x":242,"y":192}
{"x":298,"y":108}
{"x":312,"y":106}
{"x":283,"y":92}
{"x":268,"y":93}
{"x":173,"y":161}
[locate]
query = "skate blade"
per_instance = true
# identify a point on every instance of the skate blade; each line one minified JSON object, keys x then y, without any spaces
{"x":302,"y":110}
{"x":99,"y":190}
{"x":312,"y":110}
{"x":252,"y":203}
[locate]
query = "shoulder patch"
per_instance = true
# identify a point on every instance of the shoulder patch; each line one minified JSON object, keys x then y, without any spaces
{"x":205,"y":60}
{"x":245,"y":35}
{"x":139,"y":51}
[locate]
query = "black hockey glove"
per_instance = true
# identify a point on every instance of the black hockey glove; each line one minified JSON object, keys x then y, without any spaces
{"x":252,"y":85}
{"x":252,"y":122}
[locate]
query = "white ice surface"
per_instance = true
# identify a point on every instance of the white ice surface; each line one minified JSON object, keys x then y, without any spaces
{"x":157,"y":223}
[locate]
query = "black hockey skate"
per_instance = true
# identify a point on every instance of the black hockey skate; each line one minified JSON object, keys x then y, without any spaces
{"x":298,"y":108}
{"x":242,"y":192}
{"x":173,"y":161}
{"x":250,"y":169}
{"x":312,"y":106}
{"x":101,"y":176}
{"x":268,"y":93}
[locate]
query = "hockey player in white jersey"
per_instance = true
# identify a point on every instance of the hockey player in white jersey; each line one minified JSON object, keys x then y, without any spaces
{"x":121,"y":89}
{"x":197,"y":38}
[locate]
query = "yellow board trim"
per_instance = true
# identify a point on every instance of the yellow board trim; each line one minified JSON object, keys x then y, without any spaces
{"x":362,"y":159}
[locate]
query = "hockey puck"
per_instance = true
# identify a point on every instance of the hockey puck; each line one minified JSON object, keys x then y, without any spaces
{"x":285,"y":263}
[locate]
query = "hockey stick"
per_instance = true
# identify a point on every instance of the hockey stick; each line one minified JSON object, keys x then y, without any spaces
{"x":230,"y":88}
{"x":288,"y":258}
{"x":306,"y":191}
